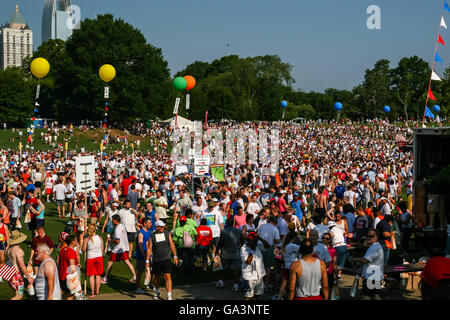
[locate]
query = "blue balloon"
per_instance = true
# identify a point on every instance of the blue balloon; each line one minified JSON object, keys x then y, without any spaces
{"x":437,"y":109}
{"x":284,"y":104}
{"x":338,"y":106}
{"x":387,"y":109}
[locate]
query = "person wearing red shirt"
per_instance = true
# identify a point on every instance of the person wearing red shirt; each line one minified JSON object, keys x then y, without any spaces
{"x":41,"y":238}
{"x":125,"y":186}
{"x":67,"y":258}
{"x":204,"y":239}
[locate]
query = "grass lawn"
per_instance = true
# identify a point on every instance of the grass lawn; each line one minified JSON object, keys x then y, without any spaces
{"x":85,"y":140}
{"x":120,"y":274}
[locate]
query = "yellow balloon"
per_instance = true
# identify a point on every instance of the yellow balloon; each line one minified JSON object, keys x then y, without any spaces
{"x":40,"y":67}
{"x":107,"y":72}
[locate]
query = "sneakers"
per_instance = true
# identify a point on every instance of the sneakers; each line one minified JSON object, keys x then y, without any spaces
{"x":440,"y":229}
{"x":157,"y":294}
{"x":133,"y":280}
{"x":428,"y":228}
{"x":219,"y":284}
{"x":235,"y":287}
{"x":150,"y":287}
{"x":169,"y":296}
{"x":139,"y":291}
{"x":104,"y":281}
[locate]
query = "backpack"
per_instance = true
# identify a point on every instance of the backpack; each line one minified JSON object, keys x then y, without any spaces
{"x":187,"y":240}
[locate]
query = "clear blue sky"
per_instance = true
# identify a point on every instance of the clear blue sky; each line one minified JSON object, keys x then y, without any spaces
{"x":326,"y":41}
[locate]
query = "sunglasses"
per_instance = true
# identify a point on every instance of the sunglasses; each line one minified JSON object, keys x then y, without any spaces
{"x":325,"y":238}
{"x":371,"y":236}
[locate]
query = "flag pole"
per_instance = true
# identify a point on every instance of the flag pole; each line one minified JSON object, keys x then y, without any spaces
{"x":432,"y":69}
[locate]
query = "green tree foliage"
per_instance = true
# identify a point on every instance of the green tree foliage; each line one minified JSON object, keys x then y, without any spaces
{"x":16,"y":96}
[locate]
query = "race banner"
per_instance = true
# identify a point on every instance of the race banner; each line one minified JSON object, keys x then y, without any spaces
{"x":218,"y":172}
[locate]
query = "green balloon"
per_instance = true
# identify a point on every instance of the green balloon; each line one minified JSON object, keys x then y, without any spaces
{"x":180,"y":83}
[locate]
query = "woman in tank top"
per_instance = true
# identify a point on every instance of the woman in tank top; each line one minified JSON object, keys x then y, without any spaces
{"x":308,"y":278}
{"x":93,"y":245}
{"x":249,"y":226}
{"x":239,"y":218}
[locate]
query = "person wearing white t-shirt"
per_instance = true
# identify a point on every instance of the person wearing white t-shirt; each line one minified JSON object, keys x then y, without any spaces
{"x":49,"y":181}
{"x":128,"y":218}
{"x":120,"y":251}
{"x":351,"y":194}
{"x":215,"y":222}
{"x":253,"y":207}
{"x":59,"y":194}
{"x":199,"y":208}
{"x":373,"y":266}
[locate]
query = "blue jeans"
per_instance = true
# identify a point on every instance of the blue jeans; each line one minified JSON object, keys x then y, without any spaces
{"x":385,"y":251}
{"x":341,"y":252}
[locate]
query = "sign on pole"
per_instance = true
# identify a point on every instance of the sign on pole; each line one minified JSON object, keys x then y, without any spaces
{"x":177,"y":103}
{"x":188,"y":101}
{"x":201,"y":165}
{"x":85,"y":173}
{"x":106,"y":92}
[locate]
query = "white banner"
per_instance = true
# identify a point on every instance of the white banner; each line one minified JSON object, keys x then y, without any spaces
{"x":38,"y":90}
{"x":106,"y":92}
{"x":177,"y":104}
{"x":85,"y":174}
{"x":188,"y":101}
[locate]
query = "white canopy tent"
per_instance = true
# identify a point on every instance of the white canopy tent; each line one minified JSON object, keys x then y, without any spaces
{"x":181,"y":122}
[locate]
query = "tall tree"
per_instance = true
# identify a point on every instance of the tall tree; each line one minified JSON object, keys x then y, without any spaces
{"x":409,"y":82}
{"x":16,"y":96}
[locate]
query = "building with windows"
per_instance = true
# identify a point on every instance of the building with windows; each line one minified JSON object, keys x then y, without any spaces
{"x":16,"y":42}
{"x":55,"y":19}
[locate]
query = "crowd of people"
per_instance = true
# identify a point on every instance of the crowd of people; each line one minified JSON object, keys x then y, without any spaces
{"x":339,"y":184}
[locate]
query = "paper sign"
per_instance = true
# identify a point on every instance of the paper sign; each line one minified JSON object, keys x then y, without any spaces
{"x":201,"y":165}
{"x":38,"y":90}
{"x":85,"y":173}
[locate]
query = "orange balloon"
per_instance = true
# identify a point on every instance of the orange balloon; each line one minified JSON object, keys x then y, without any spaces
{"x":190,"y":82}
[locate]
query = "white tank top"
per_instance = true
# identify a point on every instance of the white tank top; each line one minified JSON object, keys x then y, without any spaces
{"x":341,"y":226}
{"x":41,"y":283}
{"x":94,"y":248}
{"x":309,"y":283}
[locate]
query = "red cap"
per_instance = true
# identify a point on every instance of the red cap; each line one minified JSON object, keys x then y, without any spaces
{"x":436,"y":269}
{"x":251,"y":235}
{"x":64,"y":235}
{"x":183,"y":218}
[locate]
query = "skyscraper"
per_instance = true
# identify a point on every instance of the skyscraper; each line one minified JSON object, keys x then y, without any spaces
{"x":54,"y":20}
{"x":16,"y":42}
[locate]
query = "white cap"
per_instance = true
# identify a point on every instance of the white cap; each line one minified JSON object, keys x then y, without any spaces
{"x":159,"y":223}
{"x":215,"y":200}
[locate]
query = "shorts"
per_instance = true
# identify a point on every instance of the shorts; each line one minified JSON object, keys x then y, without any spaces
{"x":233,"y":264}
{"x":48,"y":191}
{"x":256,"y":288}
{"x":268,"y":257}
{"x":216,"y":241}
{"x":40,"y":222}
{"x":162,"y":267}
{"x":119,"y":256}
{"x":140,"y":265}
{"x":131,"y":236}
{"x":69,"y":200}
{"x":38,"y":184}
{"x":59,"y":203}
{"x":319,"y":297}
{"x":341,"y":252}
{"x":321,"y":212}
{"x":17,"y":283}
{"x":63,"y":285}
{"x":94,"y":266}
{"x":3,"y":245}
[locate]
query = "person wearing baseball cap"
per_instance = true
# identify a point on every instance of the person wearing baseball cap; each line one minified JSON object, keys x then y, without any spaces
{"x":158,"y":250}
{"x":253,"y":270}
{"x":436,"y":279}
{"x":184,"y":237}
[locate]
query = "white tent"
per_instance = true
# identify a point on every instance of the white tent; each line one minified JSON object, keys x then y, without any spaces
{"x":181,"y":122}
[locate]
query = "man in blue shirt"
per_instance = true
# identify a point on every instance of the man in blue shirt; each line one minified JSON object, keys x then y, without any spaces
{"x":150,"y":214}
{"x":297,"y":205}
{"x":141,"y":253}
{"x":339,"y":190}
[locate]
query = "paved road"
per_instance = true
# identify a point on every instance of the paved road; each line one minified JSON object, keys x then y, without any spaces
{"x":208,"y":291}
